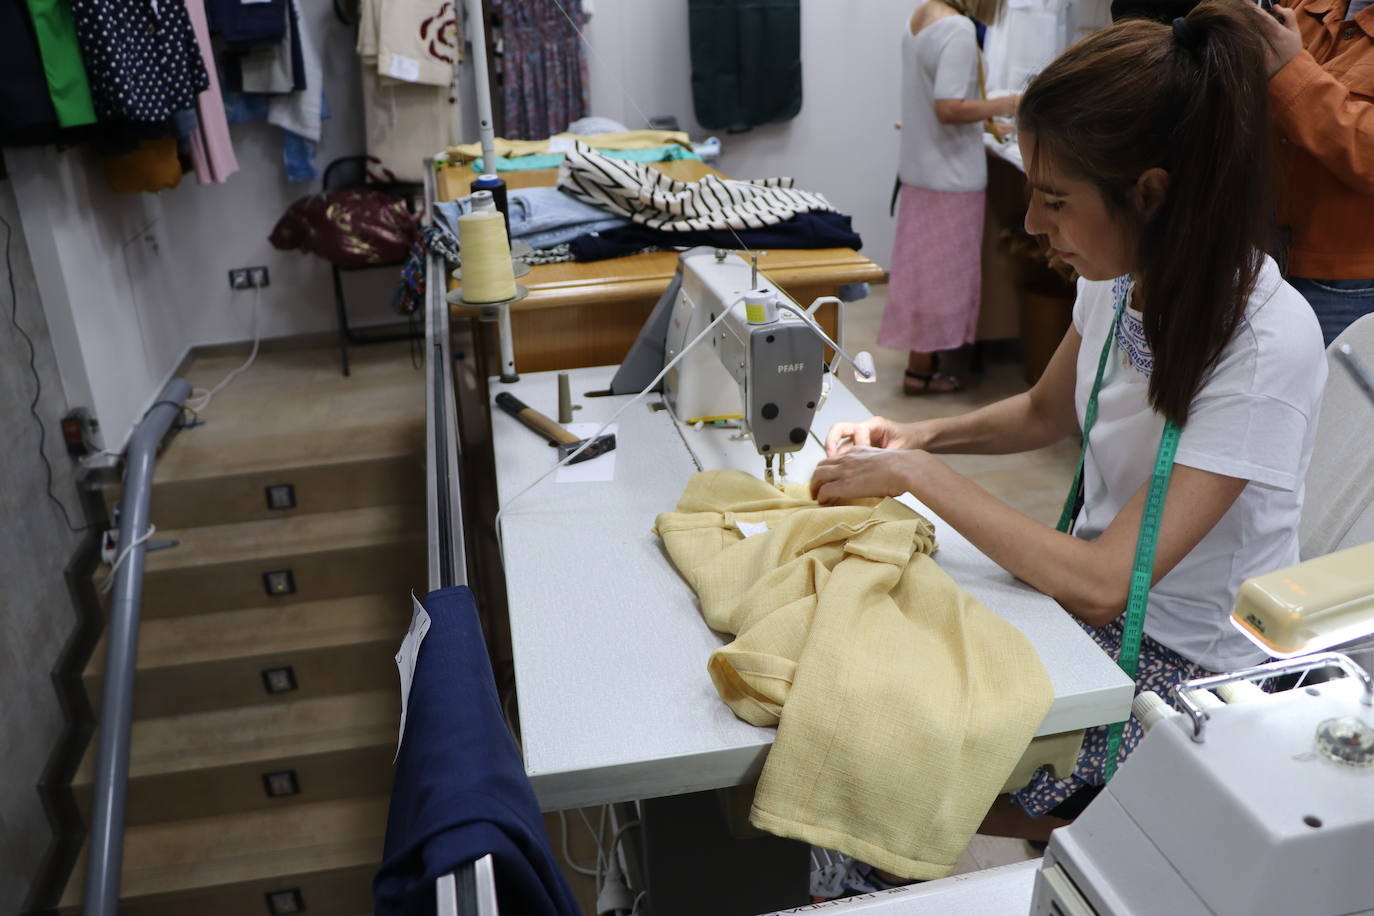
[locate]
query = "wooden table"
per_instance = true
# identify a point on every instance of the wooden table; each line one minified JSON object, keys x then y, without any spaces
{"x":588,"y":313}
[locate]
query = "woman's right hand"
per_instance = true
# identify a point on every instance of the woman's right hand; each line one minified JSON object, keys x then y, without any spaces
{"x":875,"y":432}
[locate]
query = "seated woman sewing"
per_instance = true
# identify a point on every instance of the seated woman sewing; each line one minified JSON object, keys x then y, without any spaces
{"x":1191,"y":366}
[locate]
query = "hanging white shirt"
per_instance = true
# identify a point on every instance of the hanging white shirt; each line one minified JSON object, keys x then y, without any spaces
{"x":1253,"y":418}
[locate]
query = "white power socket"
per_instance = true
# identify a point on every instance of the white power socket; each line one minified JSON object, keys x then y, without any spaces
{"x":248,"y":278}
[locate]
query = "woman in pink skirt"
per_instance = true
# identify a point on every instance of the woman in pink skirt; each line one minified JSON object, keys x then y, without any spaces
{"x":933,"y":294}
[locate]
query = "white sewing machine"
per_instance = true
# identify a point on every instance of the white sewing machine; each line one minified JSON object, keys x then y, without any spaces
{"x":762,"y":365}
{"x":1245,"y":804}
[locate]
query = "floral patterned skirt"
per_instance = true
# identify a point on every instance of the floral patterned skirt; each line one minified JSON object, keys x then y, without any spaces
{"x":1160,"y":670}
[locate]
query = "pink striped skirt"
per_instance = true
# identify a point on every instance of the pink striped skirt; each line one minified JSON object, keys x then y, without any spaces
{"x":936,"y":281}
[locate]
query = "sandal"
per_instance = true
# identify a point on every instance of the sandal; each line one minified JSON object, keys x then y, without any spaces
{"x":930,"y":383}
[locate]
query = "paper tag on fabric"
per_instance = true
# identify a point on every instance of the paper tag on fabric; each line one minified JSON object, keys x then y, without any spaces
{"x":402,"y":68}
{"x":749,"y":529}
{"x":561,"y":144}
{"x":406,"y":658}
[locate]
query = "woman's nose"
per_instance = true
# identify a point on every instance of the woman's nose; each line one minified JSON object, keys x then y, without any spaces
{"x":1034,"y":224}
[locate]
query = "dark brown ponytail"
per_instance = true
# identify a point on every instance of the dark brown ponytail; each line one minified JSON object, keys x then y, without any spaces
{"x":1190,"y":98}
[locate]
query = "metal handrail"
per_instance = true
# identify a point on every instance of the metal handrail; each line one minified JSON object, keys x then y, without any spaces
{"x":469,"y":889}
{"x":105,"y":846}
{"x":444,"y":519}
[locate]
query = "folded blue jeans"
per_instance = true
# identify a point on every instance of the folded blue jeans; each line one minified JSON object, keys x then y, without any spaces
{"x":540,"y":217}
{"x":1337,"y":302}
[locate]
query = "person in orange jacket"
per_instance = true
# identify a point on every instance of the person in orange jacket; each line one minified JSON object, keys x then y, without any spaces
{"x":1321,"y":88}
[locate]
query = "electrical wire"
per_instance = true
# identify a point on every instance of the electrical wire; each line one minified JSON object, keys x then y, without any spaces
{"x":626,"y":406}
{"x":205,"y":396}
{"x":37,"y":385}
{"x":109,"y":583}
{"x":567,"y":856}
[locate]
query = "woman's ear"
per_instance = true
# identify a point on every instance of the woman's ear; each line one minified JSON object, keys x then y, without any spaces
{"x":1149,"y":192}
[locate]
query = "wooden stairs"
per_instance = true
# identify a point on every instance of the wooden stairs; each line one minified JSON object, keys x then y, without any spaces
{"x":266,"y":703}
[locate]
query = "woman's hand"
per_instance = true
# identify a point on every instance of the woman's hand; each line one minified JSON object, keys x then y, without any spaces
{"x":862,"y":471}
{"x":1282,"y":39}
{"x":1008,"y":104}
{"x":877,"y":432}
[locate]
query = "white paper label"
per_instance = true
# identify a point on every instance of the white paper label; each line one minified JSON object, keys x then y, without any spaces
{"x":561,"y":144}
{"x":403,"y":68}
{"x":406,"y":657}
{"x":749,"y":529}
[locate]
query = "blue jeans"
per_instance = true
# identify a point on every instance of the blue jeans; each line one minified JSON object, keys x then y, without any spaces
{"x":1337,"y":302}
{"x":541,"y":217}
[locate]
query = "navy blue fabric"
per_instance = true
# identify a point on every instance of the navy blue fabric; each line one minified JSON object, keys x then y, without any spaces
{"x":460,"y":788}
{"x":817,"y":229}
{"x":247,"y":24}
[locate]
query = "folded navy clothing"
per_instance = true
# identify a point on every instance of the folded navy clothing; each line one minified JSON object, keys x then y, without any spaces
{"x":460,"y":789}
{"x":247,"y":24}
{"x":817,"y":229}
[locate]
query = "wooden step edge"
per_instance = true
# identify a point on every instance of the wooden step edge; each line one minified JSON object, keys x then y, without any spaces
{"x":312,"y":534}
{"x":338,"y":621}
{"x":211,"y":852}
{"x":393,"y":451}
{"x":257,"y":734}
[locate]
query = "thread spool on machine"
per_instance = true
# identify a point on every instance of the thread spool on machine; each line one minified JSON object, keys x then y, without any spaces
{"x":488,"y":272}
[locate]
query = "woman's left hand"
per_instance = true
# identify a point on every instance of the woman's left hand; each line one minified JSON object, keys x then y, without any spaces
{"x":1283,"y":41}
{"x":862,"y":472}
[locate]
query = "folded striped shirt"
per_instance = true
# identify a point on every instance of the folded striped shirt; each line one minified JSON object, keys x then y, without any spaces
{"x":647,"y":196}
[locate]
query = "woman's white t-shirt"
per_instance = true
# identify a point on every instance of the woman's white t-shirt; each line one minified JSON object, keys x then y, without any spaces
{"x":1254,"y":418}
{"x":940,"y":62}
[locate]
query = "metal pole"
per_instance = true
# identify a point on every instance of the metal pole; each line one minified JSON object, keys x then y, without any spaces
{"x":477,"y":34}
{"x":105,"y":845}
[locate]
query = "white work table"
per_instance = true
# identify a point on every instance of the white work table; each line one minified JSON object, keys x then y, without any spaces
{"x":610,"y":649}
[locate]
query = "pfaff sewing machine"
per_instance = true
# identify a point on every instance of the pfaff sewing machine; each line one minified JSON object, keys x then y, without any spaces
{"x":1251,"y":803}
{"x":1246,"y":803}
{"x":764,"y":362}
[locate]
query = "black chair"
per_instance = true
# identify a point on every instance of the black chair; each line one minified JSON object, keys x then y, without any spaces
{"x":351,"y":172}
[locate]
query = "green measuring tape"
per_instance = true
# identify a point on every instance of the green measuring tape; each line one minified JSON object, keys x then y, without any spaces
{"x":1142,"y":568}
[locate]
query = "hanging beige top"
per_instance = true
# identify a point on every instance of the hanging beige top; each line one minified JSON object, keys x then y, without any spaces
{"x":902,"y":703}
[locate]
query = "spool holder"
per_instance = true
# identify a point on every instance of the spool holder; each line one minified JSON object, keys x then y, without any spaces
{"x":498,"y":312}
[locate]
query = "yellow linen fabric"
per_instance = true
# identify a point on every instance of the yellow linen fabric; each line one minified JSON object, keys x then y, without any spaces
{"x":902,"y":704}
{"x":625,"y":139}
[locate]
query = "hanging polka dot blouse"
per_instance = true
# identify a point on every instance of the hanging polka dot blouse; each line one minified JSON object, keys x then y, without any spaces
{"x":141,"y":57}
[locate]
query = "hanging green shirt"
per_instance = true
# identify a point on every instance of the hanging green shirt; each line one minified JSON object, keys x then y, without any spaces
{"x":63,"y":67}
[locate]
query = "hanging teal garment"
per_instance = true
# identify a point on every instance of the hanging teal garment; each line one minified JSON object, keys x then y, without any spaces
{"x":746,"y":62}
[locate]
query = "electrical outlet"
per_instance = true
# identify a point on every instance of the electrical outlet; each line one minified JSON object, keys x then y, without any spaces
{"x":248,"y":278}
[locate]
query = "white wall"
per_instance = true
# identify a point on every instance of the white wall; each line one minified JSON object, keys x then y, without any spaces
{"x":842,"y":143}
{"x":130,"y":282}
